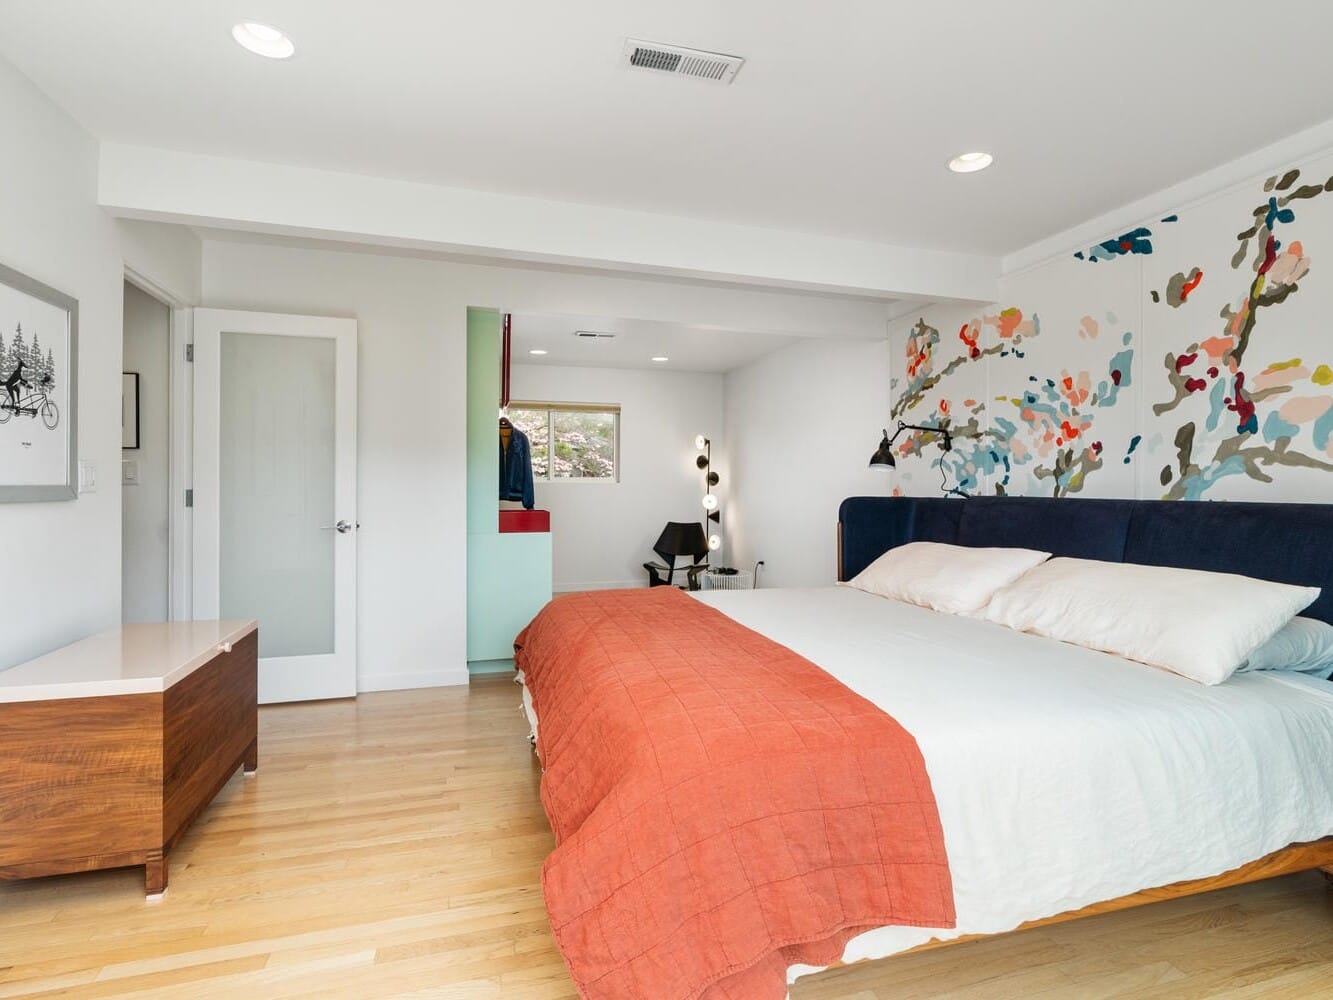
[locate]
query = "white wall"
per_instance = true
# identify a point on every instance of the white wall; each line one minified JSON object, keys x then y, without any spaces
{"x":412,"y":418}
{"x":602,"y":533}
{"x":166,"y":259}
{"x":62,"y":559}
{"x":144,"y":514}
{"x":800,"y":427}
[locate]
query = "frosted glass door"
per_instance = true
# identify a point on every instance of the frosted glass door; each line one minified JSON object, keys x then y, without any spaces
{"x":276,"y":512}
{"x":275,"y":492}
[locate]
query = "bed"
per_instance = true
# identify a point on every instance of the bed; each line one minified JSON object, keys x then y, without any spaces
{"x":1067,"y":784}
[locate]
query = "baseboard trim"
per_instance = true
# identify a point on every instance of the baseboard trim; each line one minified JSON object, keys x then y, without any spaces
{"x":476,"y":668}
{"x":408,"y":680}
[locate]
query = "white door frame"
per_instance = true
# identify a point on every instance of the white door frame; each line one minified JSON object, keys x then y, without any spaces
{"x":180,"y":533}
{"x":292,"y":677}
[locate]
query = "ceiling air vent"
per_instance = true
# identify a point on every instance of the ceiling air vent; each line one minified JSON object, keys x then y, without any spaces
{"x":593,"y":335}
{"x":713,"y":66}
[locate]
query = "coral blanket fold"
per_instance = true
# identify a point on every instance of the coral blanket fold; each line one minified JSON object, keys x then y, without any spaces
{"x":722,"y":807}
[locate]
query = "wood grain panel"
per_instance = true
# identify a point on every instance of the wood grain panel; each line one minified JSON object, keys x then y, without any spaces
{"x":210,"y":720}
{"x":79,"y":777}
{"x":1295,"y":858}
{"x":89,"y":783}
{"x":67,"y":866}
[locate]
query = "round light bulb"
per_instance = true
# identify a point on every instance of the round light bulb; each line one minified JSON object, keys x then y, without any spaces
{"x":700,"y":442}
{"x":714,"y":542}
{"x":710,"y":501}
{"x":970,"y":163}
{"x":537,"y":351}
{"x":263,"y":40}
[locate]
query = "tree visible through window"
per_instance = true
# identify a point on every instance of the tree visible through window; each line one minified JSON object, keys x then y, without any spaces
{"x":570,"y":441}
{"x":536,"y":424}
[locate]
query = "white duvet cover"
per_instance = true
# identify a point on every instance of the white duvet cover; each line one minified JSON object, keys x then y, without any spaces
{"x":1064,"y":776}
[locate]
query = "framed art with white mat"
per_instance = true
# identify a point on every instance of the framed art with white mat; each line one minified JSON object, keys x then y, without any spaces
{"x":38,"y":390}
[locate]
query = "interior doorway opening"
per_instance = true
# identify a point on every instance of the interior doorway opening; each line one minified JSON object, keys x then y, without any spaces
{"x":145,"y":473}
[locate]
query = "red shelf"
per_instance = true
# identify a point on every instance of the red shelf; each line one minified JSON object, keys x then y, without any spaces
{"x":524,"y":520}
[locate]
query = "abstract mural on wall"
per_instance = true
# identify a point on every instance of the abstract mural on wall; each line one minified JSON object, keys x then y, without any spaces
{"x":1029,"y":395}
{"x":1136,"y":241}
{"x":1047,"y":427}
{"x":1264,"y":406}
{"x":1179,"y":287}
{"x":977,"y":452}
{"x":1042,"y":396}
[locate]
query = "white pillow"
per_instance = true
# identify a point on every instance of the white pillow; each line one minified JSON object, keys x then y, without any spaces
{"x":958,"y":579}
{"x":1304,"y":644}
{"x":1200,"y":625}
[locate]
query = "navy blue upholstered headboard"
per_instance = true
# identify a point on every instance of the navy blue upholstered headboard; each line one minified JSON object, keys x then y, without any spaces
{"x":1287,"y":542}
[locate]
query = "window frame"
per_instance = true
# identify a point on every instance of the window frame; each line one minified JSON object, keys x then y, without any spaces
{"x":552,"y":408}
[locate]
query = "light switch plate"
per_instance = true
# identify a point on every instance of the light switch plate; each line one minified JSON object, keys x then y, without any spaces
{"x":129,"y":472}
{"x":87,"y":477}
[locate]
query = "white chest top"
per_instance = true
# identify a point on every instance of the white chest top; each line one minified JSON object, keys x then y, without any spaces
{"x":129,"y":659}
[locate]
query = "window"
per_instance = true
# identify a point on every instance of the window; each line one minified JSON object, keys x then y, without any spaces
{"x":571,"y":440}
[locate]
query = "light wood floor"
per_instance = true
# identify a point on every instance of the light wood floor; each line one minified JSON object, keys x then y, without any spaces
{"x":391,"y":847}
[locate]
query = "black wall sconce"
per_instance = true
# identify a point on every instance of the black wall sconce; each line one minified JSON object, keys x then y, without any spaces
{"x":711,"y":479}
{"x":883,"y":457}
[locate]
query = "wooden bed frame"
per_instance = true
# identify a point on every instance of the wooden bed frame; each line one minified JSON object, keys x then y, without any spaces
{"x":1315,"y":855}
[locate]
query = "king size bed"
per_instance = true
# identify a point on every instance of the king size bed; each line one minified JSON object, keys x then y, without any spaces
{"x":749,"y":786}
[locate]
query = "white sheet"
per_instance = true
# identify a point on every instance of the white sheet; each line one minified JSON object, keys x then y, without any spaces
{"x":528,"y":710}
{"x":1064,"y":776}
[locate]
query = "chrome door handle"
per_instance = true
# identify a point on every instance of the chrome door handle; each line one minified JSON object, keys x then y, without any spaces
{"x":342,"y":527}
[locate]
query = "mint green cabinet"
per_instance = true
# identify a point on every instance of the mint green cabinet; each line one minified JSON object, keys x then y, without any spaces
{"x":509,"y":575}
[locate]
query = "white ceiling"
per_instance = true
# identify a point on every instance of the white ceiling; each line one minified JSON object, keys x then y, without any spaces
{"x":840,"y":122}
{"x":636,"y":342}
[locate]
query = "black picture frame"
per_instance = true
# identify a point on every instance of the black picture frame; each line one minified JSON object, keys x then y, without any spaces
{"x":129,"y":411}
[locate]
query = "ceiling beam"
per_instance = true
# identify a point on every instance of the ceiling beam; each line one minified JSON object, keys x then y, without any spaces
{"x":169,"y":186}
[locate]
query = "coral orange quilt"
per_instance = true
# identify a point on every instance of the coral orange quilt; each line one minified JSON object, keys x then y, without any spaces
{"x":722,"y":807}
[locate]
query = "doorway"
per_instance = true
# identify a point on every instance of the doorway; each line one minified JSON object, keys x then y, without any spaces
{"x":145,"y":458}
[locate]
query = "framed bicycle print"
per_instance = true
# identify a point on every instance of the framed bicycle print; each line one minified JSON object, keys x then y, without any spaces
{"x":39,"y":336}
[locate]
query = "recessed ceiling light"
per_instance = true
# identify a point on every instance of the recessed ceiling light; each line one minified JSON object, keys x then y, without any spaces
{"x":661,"y":358}
{"x":537,"y":350}
{"x":970,"y":163}
{"x":263,"y":40}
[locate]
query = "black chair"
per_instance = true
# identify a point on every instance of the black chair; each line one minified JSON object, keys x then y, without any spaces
{"x":679,"y":539}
